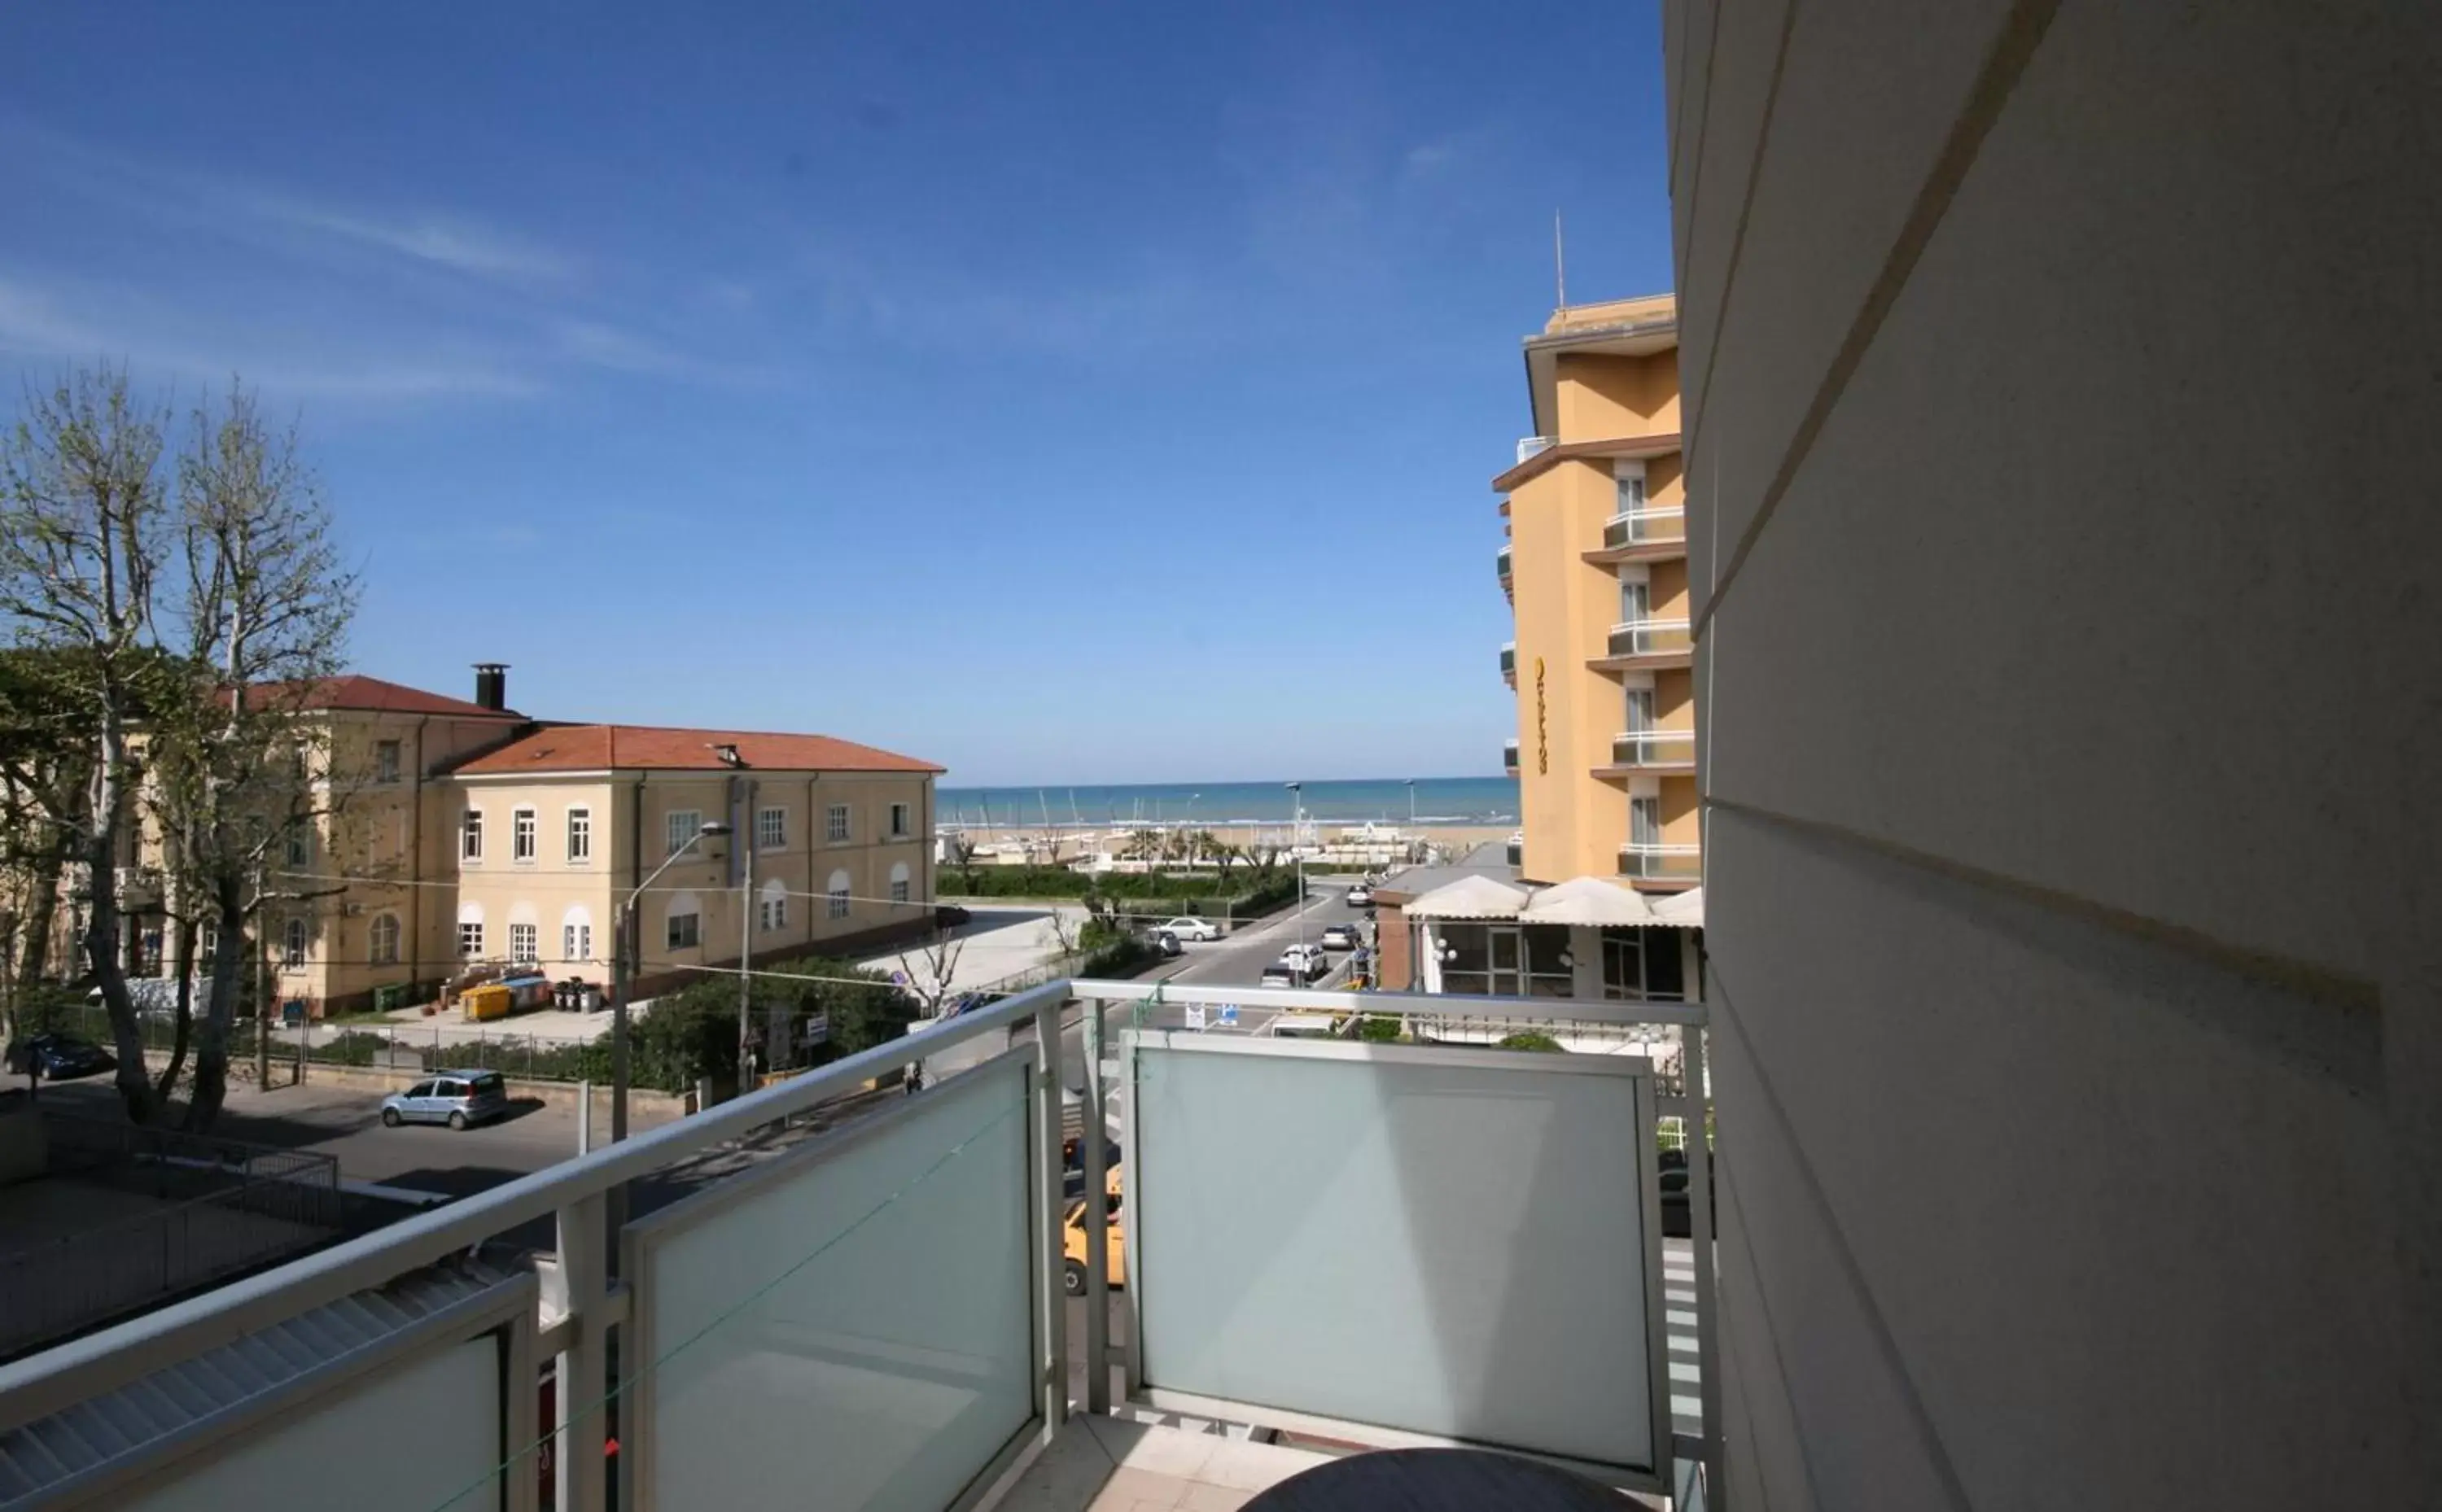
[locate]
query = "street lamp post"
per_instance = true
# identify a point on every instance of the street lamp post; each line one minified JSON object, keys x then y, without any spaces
{"x":1296,"y":836}
{"x":624,"y":941}
{"x":1411,"y":805}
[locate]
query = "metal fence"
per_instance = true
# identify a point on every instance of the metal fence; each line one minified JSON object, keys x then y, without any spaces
{"x":218,"y":1207}
{"x":422,"y":1048}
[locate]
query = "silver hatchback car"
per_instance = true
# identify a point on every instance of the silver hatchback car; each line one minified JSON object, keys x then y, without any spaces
{"x":455,"y":1098}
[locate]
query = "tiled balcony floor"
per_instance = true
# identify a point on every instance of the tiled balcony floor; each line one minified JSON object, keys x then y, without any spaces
{"x":1111,"y":1464}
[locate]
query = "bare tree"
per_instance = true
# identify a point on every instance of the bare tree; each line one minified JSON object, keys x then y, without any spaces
{"x":45,"y":767}
{"x":1062,"y":934}
{"x":929,"y":972}
{"x":82,"y":526}
{"x":247,"y":772}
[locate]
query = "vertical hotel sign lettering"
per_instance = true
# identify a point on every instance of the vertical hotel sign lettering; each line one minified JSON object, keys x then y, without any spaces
{"x":1542,"y":739}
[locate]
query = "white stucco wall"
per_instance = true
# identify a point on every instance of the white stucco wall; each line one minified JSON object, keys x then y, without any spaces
{"x":2064,"y":457}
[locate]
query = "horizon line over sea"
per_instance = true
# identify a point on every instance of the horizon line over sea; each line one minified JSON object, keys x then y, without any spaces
{"x":1101,"y":805}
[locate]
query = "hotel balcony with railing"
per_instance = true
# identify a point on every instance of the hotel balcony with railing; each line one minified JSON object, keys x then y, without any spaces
{"x":917,"y":1308}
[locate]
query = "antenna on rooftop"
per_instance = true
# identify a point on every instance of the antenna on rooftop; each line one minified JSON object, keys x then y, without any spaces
{"x":1559,"y":264}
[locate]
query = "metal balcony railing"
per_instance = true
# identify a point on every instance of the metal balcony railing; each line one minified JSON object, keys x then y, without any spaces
{"x":1509,"y":756}
{"x":884,"y":1301}
{"x":1509,"y":660}
{"x":1530,"y":445}
{"x":1636,"y":526}
{"x":1650,"y":748}
{"x":1661,"y":863}
{"x":1501,"y":565}
{"x":1650,"y":637}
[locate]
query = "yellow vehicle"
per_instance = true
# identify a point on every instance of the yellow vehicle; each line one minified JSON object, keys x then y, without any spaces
{"x":1073,"y":1239}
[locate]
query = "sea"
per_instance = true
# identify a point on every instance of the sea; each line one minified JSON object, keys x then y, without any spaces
{"x":1393,"y":800}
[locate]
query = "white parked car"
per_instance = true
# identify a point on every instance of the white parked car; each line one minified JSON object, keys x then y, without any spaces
{"x":1193,"y":928}
{"x":1360,"y":896}
{"x":1308,"y":961}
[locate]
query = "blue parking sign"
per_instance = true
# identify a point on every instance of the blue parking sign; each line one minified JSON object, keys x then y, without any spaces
{"x":1229,"y":1016}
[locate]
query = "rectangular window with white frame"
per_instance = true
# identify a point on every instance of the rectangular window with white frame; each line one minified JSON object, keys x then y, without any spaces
{"x":680,"y":825}
{"x":686,"y":930}
{"x":386,"y":761}
{"x":300,"y":848}
{"x":899,"y":891}
{"x":839,"y":898}
{"x":383,"y":937}
{"x":470,"y":940}
{"x":835,"y":825}
{"x":771,"y":828}
{"x":903,"y":820}
{"x":521,"y":836}
{"x":522,"y":944}
{"x":580,"y":836}
{"x":470,"y":837}
{"x":576,"y":943}
{"x":775,"y":914}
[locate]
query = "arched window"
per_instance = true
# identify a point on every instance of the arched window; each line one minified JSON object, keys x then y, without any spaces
{"x":684,"y":929}
{"x":576,"y":936}
{"x":525,"y":936}
{"x":899,"y":882}
{"x":470,"y":930}
{"x":292,"y":942}
{"x":384,"y":938}
{"x":837,"y":894}
{"x":772,"y":907}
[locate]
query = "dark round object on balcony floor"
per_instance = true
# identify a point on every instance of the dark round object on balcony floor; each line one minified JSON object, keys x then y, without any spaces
{"x":1437,"y":1480}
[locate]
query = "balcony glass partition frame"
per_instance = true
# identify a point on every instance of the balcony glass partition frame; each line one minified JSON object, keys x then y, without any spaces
{"x":913,"y":1261}
{"x":1333,"y":1283}
{"x":969,"y":1404}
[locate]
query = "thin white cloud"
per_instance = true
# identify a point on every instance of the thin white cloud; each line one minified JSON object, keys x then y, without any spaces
{"x":458,"y":244}
{"x":60,"y":325}
{"x":278,"y":218}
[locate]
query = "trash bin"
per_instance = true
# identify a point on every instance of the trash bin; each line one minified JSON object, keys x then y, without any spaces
{"x":591,"y":999}
{"x":564,"y":995}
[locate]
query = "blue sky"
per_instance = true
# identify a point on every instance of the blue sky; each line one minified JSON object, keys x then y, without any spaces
{"x":1066,"y":393}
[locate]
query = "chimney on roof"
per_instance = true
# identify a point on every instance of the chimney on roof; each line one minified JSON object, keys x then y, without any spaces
{"x":492,"y":685}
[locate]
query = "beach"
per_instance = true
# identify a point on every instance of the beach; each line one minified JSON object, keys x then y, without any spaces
{"x":1062,"y":843}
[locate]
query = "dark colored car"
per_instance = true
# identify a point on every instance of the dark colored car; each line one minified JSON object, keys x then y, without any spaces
{"x":1164,"y":941}
{"x":1678,"y":1218}
{"x":58,"y":1058}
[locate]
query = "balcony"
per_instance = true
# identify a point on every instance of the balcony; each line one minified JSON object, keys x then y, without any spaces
{"x":1650,"y":645}
{"x":1656,"y":863}
{"x":1534,"y":447}
{"x":1509,"y":662}
{"x":1501,"y":566}
{"x":1636,"y":750}
{"x":1509,"y":756}
{"x":918,"y":1309}
{"x":1641,"y":535}
{"x":1514,"y":852}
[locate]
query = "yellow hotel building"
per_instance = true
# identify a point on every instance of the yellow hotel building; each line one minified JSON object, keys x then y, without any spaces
{"x":1597,"y":571}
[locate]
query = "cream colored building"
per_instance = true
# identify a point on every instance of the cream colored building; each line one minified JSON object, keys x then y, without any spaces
{"x":463,"y":830}
{"x":829,"y":844}
{"x":1596,"y":568}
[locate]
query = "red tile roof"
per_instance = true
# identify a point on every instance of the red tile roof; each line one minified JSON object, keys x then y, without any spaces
{"x":632,"y":747}
{"x":370,"y":694}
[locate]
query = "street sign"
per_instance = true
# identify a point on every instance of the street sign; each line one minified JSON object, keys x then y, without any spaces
{"x":1229,"y":1016}
{"x":1196,"y":1015}
{"x":818,"y":1029}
